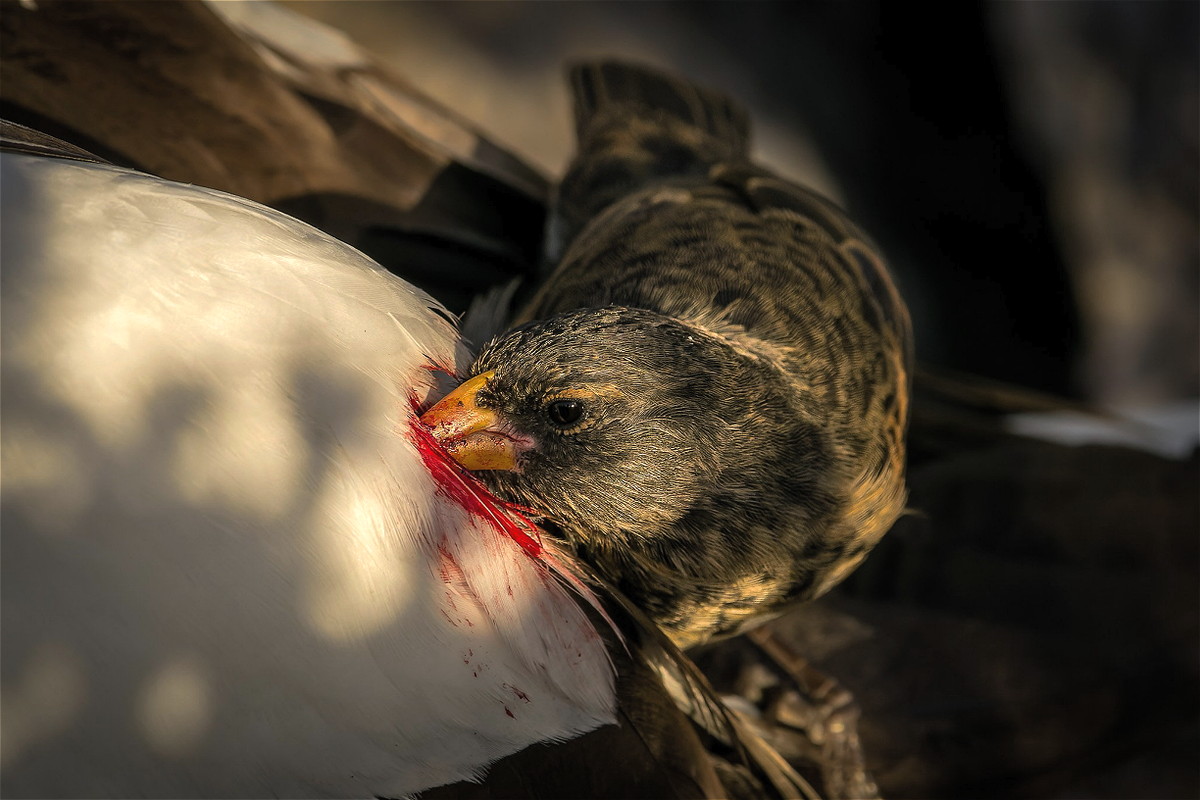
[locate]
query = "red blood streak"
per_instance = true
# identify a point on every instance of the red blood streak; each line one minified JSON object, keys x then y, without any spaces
{"x":433,"y":366}
{"x":506,"y":711}
{"x":463,"y":488}
{"x":449,"y":570}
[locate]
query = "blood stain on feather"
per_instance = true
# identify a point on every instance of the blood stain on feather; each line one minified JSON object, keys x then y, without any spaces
{"x":434,"y":366}
{"x":448,"y":569}
{"x":460,"y":486}
{"x":520,"y":695}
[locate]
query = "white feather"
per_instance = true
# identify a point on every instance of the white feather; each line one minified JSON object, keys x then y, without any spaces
{"x":226,"y":570}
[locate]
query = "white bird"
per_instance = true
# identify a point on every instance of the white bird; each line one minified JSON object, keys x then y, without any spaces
{"x":231,"y":563}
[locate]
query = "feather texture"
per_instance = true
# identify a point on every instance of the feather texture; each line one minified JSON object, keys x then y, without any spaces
{"x":709,"y":390}
{"x":227,"y":570}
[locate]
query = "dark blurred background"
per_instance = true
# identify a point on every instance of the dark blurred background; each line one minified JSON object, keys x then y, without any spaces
{"x":1030,"y":168}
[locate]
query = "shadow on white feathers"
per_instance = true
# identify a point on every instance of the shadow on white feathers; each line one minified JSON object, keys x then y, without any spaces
{"x":226,"y":569}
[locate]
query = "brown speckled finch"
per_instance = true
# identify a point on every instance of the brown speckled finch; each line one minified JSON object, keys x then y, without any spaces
{"x":709,"y":396}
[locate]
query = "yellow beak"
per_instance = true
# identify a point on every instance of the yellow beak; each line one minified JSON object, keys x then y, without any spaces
{"x":472,"y":435}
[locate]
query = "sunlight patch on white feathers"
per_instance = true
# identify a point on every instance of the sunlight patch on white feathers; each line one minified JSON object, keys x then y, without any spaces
{"x":213,"y":350}
{"x":241,"y":451}
{"x":46,"y":694}
{"x":363,"y":576}
{"x":45,"y":470}
{"x":174,"y":707}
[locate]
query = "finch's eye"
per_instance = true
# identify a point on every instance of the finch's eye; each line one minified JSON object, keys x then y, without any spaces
{"x":565,"y":413}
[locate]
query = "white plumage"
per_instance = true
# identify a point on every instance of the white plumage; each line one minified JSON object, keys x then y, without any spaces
{"x":226,"y":569}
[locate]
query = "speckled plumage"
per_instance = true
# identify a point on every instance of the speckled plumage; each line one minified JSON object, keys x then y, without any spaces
{"x":742,"y":356}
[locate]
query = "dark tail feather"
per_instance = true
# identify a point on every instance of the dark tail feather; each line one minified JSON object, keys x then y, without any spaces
{"x":612,"y":86}
{"x":637,"y":127}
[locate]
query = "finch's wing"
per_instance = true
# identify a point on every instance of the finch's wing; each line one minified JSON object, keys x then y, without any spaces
{"x":772,"y":196}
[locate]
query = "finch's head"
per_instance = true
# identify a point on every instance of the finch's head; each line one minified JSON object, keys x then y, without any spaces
{"x":610,"y":421}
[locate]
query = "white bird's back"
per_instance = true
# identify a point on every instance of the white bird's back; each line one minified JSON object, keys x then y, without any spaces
{"x":227,"y":569}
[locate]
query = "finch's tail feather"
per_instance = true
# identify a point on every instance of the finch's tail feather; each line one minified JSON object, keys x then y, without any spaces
{"x":605,"y":87}
{"x":636,"y":127}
